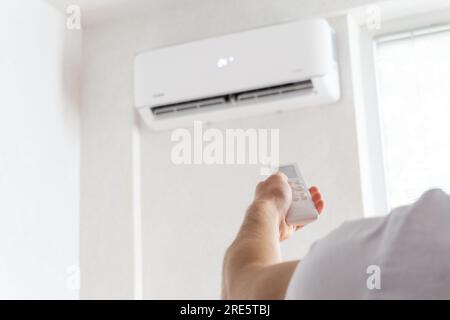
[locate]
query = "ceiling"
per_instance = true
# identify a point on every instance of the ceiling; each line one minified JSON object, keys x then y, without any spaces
{"x":94,"y":11}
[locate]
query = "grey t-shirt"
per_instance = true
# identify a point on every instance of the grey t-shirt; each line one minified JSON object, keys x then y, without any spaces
{"x":405,"y":255}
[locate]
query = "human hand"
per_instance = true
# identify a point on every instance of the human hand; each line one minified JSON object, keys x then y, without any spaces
{"x":277,"y":192}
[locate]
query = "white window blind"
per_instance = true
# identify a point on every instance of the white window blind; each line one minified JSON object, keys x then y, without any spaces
{"x":414,"y":88}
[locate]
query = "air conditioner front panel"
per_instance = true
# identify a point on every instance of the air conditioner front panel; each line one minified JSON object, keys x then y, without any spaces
{"x":233,"y":63}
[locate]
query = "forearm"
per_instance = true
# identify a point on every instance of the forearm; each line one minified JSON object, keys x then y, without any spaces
{"x":252,"y":267}
{"x":258,"y":240}
{"x":256,"y":247}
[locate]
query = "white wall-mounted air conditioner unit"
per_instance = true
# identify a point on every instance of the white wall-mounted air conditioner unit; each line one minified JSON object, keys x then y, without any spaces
{"x":254,"y":72}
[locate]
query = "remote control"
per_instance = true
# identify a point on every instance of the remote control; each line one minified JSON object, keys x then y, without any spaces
{"x":302,"y":210}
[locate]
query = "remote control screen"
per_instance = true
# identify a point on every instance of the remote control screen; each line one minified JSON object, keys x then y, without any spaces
{"x":289,"y":171}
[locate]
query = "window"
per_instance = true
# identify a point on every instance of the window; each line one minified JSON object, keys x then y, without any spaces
{"x":413,"y":71}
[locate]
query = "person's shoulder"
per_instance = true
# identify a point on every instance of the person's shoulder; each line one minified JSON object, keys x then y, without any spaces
{"x":353,"y":228}
{"x":434,"y":197}
{"x":432,"y":207}
{"x":435,"y":193}
{"x":430,"y":200}
{"x":349,"y":234}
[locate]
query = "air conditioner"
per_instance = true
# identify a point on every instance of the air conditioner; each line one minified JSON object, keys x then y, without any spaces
{"x":266,"y":70}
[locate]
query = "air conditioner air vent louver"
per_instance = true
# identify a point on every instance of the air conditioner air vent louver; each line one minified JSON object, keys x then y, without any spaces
{"x":301,"y":87}
{"x":188,"y":106}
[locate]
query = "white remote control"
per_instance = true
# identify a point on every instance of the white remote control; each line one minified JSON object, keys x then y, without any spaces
{"x":302,"y":210}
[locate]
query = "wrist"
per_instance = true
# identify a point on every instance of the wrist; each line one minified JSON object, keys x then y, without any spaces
{"x":262,"y":221}
{"x":266,"y":209}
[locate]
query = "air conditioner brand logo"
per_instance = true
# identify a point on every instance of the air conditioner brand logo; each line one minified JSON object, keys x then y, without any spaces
{"x":224,"y":62}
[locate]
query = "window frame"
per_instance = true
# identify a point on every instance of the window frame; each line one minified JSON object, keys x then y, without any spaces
{"x":373,"y":168}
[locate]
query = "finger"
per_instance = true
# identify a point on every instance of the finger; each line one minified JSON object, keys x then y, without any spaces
{"x":316,"y":197}
{"x":278,"y":175}
{"x":319,"y":206}
{"x":313,"y":190}
{"x":259,"y":186}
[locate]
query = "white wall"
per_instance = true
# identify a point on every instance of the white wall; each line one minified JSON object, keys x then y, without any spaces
{"x":190,"y":214}
{"x":39,"y":152}
{"x":106,"y":225}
